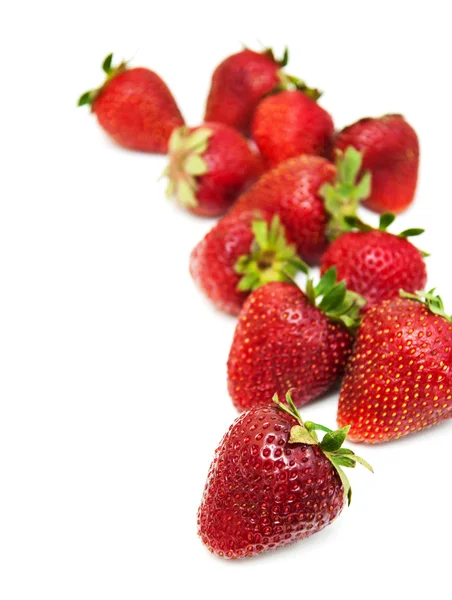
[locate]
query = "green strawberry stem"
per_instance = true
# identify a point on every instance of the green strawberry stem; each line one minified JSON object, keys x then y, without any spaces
{"x":110,"y":71}
{"x":342,"y":197}
{"x":271,"y":258}
{"x":431,"y":300}
{"x":331,"y":444}
{"x":333,"y":299}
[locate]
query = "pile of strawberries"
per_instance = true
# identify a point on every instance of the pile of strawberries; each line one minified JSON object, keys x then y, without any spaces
{"x":268,"y":158}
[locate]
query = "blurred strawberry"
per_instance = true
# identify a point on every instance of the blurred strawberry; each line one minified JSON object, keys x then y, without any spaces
{"x":312,"y":198}
{"x":135,"y":107}
{"x":290,"y":123}
{"x":209,"y":166}
{"x":239,"y":82}
{"x":376,"y":263}
{"x":239,"y":254}
{"x":390,"y":150}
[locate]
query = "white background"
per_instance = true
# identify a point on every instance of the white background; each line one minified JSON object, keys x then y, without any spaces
{"x":112,"y":370}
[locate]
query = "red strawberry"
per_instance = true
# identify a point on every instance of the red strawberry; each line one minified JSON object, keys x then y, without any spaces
{"x":240,"y":254}
{"x":399,"y":379}
{"x":295,"y":190}
{"x":375,"y":263}
{"x":209,"y":166}
{"x":290,"y":123}
{"x":286,"y":339}
{"x":239,"y":82}
{"x":390,"y":149}
{"x":135,"y":107}
{"x":272,"y":483}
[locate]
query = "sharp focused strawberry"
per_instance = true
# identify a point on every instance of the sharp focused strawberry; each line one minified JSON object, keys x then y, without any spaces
{"x":376,"y":263}
{"x":286,"y":339}
{"x":311,"y":197}
{"x":399,"y":379}
{"x":135,"y":107}
{"x":239,"y":254}
{"x":390,"y":150}
{"x":272,"y":482}
{"x":239,"y":82}
{"x":209,"y":166}
{"x":290,"y":123}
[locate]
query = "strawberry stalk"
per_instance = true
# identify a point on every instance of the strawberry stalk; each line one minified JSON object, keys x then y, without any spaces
{"x":331,"y":444}
{"x":271,"y":258}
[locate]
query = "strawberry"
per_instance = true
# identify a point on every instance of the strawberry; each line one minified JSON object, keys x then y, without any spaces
{"x":399,"y":379}
{"x":390,"y":149}
{"x":376,"y":263}
{"x":311,"y":196}
{"x":290,"y":123}
{"x":272,"y":482}
{"x":286,"y":339}
{"x":240,"y":254}
{"x":135,"y":107}
{"x":239,"y":82}
{"x":208,"y":167}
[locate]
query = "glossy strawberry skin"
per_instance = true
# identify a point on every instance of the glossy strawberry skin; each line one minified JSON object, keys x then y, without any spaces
{"x":281,"y":342}
{"x":238,"y":83}
{"x":399,"y":379}
{"x":291,"y":191}
{"x":263,"y":493}
{"x":232,"y":167}
{"x":213,"y":260}
{"x":390,"y":150}
{"x":376,"y":264}
{"x":138,"y":111}
{"x":290,"y":123}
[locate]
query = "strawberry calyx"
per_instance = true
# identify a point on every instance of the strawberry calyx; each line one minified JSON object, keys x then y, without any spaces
{"x":342,"y":197}
{"x":271,"y":257}
{"x":289,"y":82}
{"x":386,"y":220}
{"x":185,"y":149}
{"x":110,"y":71}
{"x":334,"y":299}
{"x":431,"y":300}
{"x":282,"y":62}
{"x":331,"y":444}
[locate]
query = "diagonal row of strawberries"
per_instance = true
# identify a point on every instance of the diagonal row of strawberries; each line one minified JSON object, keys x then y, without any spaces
{"x":268,"y":156}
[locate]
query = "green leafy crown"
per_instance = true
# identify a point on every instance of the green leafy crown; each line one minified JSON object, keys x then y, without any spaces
{"x":110,"y":71}
{"x":282,"y":62}
{"x":331,"y":445}
{"x":431,"y":300}
{"x":335,"y":300}
{"x":386,"y":220}
{"x":271,"y":258}
{"x":342,"y":197}
{"x":186,"y":163}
